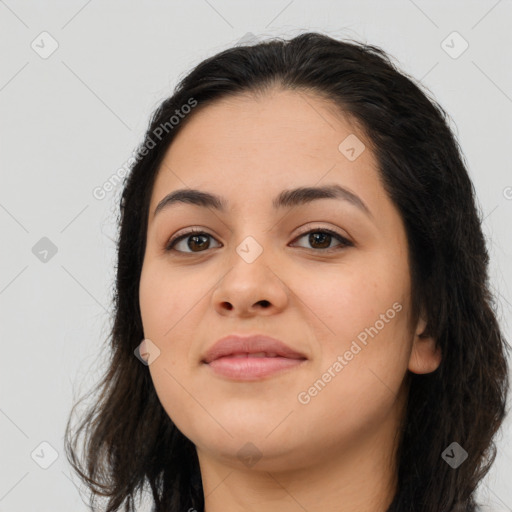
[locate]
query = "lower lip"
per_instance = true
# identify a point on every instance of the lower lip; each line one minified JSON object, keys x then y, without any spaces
{"x":252,"y":368}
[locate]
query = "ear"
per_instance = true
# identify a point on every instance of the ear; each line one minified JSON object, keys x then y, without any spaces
{"x":425,"y":356}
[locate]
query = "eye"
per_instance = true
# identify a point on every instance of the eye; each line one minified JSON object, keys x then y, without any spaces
{"x":321,"y":239}
{"x":198,"y":239}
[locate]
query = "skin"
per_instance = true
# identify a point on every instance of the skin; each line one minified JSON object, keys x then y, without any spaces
{"x":337,"y":450}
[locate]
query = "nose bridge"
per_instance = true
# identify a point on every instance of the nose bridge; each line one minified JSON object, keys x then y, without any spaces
{"x":252,"y":234}
{"x":251,"y":259}
{"x":250,"y":249}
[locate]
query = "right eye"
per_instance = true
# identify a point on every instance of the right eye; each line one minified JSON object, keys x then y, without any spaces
{"x":195,"y":238}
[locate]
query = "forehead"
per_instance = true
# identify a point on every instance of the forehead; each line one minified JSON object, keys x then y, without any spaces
{"x":271,"y":141}
{"x":275,"y":118}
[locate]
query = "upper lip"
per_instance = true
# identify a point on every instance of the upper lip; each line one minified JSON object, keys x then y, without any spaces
{"x":236,"y":345}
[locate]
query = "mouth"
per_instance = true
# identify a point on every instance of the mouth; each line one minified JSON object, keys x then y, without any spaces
{"x":251,"y":366}
{"x":251,"y":358}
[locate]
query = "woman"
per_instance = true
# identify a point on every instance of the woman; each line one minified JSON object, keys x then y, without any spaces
{"x":303,"y":316}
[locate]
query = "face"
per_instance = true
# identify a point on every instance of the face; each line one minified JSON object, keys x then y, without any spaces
{"x":328,"y":276}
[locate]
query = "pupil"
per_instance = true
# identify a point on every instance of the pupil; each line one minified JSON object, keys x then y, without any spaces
{"x":193,"y":238}
{"x":313,"y":238}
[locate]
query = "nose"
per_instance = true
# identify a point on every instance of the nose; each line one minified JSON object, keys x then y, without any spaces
{"x":251,"y":288}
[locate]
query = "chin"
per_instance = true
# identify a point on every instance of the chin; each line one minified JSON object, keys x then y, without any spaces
{"x":245,"y":452}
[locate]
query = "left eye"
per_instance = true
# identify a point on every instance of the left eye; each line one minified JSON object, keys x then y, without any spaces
{"x":322,"y":238}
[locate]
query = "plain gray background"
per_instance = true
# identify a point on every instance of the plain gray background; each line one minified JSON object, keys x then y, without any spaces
{"x":70,"y":121}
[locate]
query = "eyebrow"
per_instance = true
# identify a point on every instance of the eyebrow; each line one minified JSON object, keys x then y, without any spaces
{"x":285,"y":199}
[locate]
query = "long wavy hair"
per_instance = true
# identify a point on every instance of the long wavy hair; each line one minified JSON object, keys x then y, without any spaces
{"x":129,"y":441}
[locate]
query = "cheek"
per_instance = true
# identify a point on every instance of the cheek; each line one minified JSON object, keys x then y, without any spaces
{"x":361,"y":317}
{"x":361,"y":326}
{"x":165,"y":297}
{"x":153,"y":301}
{"x":171,"y":304}
{"x":344,"y":303}
{"x":162,"y":307}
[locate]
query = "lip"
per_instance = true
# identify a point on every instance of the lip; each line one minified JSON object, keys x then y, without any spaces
{"x":251,"y":357}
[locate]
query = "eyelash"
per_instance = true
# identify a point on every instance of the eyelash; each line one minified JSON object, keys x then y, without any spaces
{"x":194,"y":231}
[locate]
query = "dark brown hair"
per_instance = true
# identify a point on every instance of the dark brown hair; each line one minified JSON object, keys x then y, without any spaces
{"x":130,"y":440}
